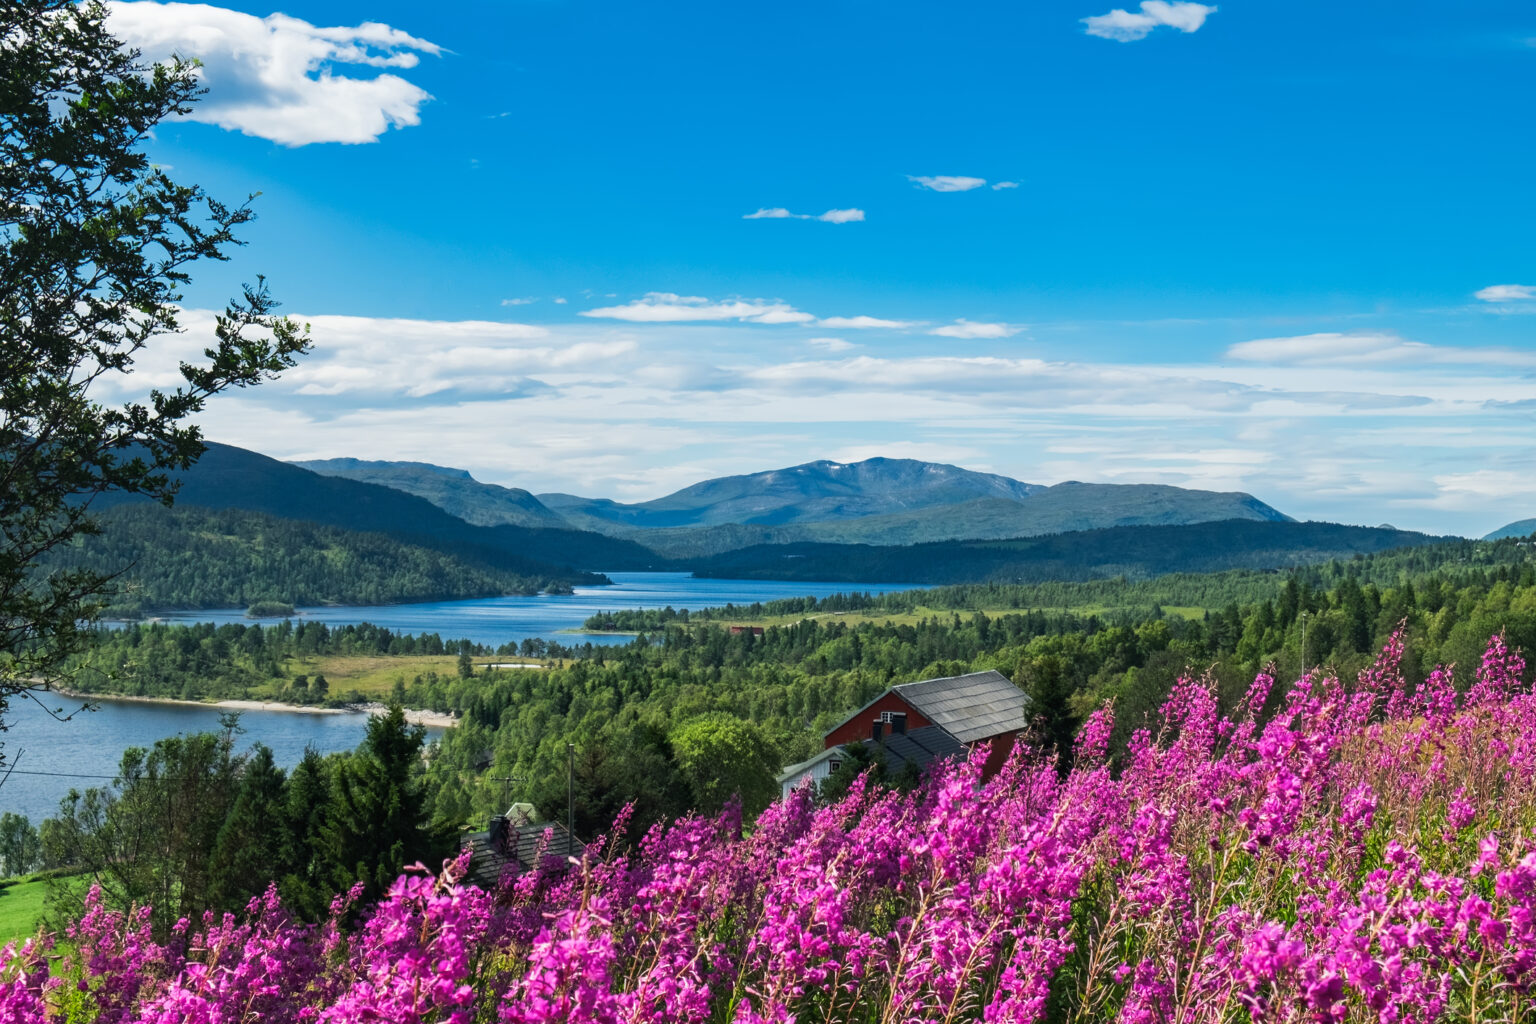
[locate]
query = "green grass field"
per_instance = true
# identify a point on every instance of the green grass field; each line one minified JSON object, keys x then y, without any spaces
{"x":373,"y":676}
{"x":21,"y":907}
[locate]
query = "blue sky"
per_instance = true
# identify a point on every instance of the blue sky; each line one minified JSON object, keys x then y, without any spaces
{"x":1285,"y":249}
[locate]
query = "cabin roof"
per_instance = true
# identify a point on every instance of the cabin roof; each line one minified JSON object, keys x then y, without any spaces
{"x":919,"y":747}
{"x":972,"y":707}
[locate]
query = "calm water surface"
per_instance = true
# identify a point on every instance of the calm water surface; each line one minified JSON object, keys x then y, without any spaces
{"x":92,"y":743}
{"x":499,"y":620}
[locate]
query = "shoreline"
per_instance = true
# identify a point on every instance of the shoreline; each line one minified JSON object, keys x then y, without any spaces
{"x":413,"y":716}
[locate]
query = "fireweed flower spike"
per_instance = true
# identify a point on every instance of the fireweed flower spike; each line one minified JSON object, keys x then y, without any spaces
{"x":1328,"y":851}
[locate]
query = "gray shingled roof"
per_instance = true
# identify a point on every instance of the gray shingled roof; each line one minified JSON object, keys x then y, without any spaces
{"x":920,"y":747}
{"x":970,"y":707}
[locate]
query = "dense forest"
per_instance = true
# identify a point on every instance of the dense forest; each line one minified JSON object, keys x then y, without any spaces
{"x":192,"y":557}
{"x":1460,"y":562}
{"x":1137,"y":552}
{"x":660,"y":720}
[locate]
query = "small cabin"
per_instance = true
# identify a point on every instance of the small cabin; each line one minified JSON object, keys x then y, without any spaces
{"x":511,"y":842}
{"x":924,"y":721}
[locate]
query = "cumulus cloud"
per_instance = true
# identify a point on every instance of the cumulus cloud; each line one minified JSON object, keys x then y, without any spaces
{"x":964,"y":328}
{"x":1126,"y":26}
{"x":667,"y":307}
{"x":859,"y":323}
{"x":282,"y":78}
{"x":946,"y":182}
{"x":1508,"y":293}
{"x":830,"y":217}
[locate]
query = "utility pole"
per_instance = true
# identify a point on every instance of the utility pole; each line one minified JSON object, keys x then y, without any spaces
{"x":570,"y":797}
{"x":1303,"y":643}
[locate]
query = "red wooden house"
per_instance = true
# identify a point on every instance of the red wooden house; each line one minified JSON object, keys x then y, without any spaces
{"x":927,"y":719}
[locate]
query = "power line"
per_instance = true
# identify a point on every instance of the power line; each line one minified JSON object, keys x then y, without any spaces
{"x":188,"y":778}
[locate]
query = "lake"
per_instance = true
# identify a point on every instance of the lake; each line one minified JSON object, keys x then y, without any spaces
{"x":500,"y":620}
{"x":92,"y":744}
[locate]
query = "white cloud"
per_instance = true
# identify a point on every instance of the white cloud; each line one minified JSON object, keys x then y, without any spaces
{"x":964,"y":328}
{"x":946,"y":182}
{"x":518,"y":302}
{"x":560,"y":300}
{"x":1125,"y":26}
{"x":1360,"y":427}
{"x":831,"y":344}
{"x":859,"y":323}
{"x":280,"y":78}
{"x":1368,"y":349}
{"x":830,"y":217}
{"x":1508,"y":293}
{"x":1004,"y":184}
{"x":666,"y":307}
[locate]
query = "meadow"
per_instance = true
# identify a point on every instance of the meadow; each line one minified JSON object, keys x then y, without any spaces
{"x":1328,"y":851}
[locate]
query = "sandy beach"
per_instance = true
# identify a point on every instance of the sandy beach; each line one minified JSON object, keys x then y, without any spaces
{"x":415,"y":716}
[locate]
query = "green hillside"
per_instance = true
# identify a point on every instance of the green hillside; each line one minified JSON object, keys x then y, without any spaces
{"x":1136,"y":552}
{"x":1520,"y":528}
{"x":229,"y":477}
{"x":452,"y":490}
{"x":192,"y":557}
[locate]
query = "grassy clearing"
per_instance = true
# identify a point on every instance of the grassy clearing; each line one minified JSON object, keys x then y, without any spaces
{"x":374,"y":675}
{"x":21,"y":906}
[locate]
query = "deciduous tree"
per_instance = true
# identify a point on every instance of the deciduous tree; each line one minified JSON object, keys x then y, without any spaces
{"x":95,"y":246}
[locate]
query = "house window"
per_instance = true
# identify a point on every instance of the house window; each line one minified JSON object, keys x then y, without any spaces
{"x":897,"y":721}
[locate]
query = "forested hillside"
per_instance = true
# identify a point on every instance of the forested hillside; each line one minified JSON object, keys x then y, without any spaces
{"x":1134,"y":551}
{"x":642,"y":716}
{"x":230,"y":477}
{"x":191,"y":557}
{"x":452,"y":490}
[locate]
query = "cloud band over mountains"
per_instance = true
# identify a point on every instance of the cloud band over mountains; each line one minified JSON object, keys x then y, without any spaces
{"x":636,"y":404}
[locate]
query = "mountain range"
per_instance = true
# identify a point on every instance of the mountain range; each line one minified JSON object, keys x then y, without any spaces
{"x":876,"y":520}
{"x":877,"y":501}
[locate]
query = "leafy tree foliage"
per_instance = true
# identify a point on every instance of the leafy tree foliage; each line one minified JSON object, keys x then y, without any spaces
{"x":95,"y":245}
{"x":378,"y":819}
{"x":191,"y":823}
{"x":21,"y":850}
{"x":151,"y":839}
{"x":721,"y":757}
